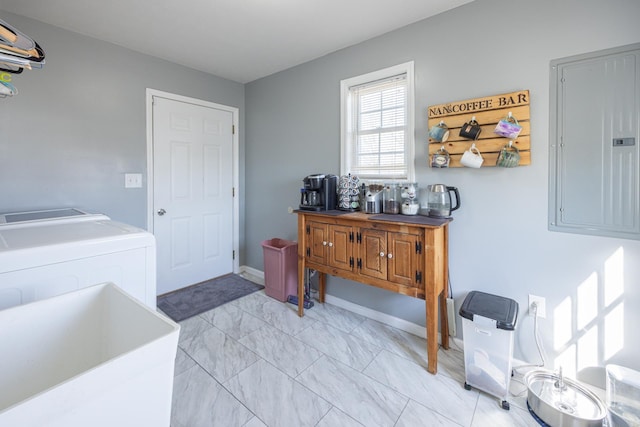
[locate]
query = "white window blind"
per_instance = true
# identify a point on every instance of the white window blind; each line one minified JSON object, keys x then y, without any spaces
{"x":377,"y":130}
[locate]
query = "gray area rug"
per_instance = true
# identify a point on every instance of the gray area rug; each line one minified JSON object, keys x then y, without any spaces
{"x":193,"y":300}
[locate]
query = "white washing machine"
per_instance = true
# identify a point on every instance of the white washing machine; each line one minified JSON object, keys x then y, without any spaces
{"x":48,"y":253}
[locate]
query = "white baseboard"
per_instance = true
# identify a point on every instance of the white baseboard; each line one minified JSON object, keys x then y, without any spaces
{"x":256,"y":275}
{"x":369,"y":313}
{"x":387,"y":319}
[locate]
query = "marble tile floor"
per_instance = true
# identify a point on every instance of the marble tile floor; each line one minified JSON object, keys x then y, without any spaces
{"x":253,"y":362}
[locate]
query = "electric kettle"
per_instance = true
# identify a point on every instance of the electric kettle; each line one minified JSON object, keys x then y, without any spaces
{"x":439,"y":200}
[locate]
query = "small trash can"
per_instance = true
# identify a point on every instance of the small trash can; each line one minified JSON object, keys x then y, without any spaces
{"x":488,"y":324}
{"x":280,"y":268}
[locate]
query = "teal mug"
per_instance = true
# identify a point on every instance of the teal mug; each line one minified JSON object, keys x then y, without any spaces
{"x":439,"y":132}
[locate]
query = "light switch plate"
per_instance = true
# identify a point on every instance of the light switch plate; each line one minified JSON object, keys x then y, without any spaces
{"x":132,"y":180}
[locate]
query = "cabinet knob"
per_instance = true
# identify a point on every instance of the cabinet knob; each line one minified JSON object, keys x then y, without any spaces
{"x":390,"y":256}
{"x":381,"y":253}
{"x":330,"y":244}
{"x":324,"y":243}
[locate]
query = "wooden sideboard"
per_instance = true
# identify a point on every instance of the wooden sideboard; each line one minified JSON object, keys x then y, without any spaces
{"x":403,"y":254}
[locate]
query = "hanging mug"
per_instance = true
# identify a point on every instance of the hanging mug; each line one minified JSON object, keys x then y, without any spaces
{"x":471,"y":129}
{"x":440,"y":158}
{"x":509,"y":156}
{"x":472,"y":157}
{"x":508,"y":127}
{"x":439,"y":132}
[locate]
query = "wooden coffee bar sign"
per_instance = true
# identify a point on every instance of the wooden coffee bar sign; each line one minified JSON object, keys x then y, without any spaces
{"x":488,"y":112}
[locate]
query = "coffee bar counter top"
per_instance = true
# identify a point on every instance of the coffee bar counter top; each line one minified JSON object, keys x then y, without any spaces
{"x":392,"y":218}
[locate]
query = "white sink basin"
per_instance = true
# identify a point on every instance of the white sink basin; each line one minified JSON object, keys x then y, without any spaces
{"x":92,"y":357}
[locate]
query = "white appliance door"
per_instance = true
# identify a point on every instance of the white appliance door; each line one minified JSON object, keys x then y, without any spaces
{"x":193,"y":200}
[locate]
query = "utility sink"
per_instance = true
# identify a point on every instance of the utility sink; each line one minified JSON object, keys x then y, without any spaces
{"x":92,"y":357}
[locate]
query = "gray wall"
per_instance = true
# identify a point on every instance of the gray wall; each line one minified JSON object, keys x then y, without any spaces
{"x":499,"y":242}
{"x":79,"y":124}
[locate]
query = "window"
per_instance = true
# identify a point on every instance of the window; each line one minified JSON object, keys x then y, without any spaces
{"x":377,"y":124}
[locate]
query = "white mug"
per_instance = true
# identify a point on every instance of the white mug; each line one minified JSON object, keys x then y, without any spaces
{"x":472,"y":157}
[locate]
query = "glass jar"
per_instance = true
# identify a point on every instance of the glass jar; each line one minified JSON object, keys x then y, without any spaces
{"x":391,"y":199}
{"x":410,"y":207}
{"x":409,"y":191}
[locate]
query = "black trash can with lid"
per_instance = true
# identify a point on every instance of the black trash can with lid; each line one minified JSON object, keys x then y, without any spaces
{"x":488,"y":325}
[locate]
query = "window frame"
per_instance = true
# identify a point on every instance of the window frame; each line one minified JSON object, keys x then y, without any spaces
{"x":345,"y":112}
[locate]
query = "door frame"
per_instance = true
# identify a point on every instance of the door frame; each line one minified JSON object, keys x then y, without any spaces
{"x":235,"y":161}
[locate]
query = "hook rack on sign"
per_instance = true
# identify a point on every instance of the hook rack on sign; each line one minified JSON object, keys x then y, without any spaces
{"x":488,"y":127}
{"x":17,"y":53}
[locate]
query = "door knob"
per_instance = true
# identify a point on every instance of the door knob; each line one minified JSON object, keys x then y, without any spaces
{"x":161,"y":212}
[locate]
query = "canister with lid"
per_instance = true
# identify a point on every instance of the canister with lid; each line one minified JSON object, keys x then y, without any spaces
{"x":392,"y":198}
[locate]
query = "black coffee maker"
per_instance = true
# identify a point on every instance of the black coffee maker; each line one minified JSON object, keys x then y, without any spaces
{"x":319,"y":192}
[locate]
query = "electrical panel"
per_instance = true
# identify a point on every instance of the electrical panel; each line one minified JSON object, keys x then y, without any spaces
{"x":594,"y":182}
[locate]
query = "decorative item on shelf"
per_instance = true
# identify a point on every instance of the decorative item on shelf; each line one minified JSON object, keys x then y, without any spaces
{"x":17,"y":53}
{"x":439,"y":132}
{"x":409,"y":194}
{"x":508,"y":127}
{"x":348,"y":193}
{"x":409,"y":190}
{"x":373,"y":195}
{"x":440,"y":158}
{"x":461,"y":118}
{"x":472,"y":157}
{"x":509,"y":156}
{"x":410,"y":207}
{"x":471,"y":129}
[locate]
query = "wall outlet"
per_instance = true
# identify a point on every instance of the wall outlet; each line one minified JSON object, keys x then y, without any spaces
{"x":541,"y":306}
{"x":451,"y":317}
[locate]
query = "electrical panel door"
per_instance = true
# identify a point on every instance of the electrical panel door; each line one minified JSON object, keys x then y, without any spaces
{"x":594,"y":143}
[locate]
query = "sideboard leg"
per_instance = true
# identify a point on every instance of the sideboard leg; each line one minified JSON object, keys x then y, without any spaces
{"x":301,"y":263}
{"x":301,"y":279}
{"x":432,"y":333}
{"x":322,"y":283}
{"x":444,"y":317}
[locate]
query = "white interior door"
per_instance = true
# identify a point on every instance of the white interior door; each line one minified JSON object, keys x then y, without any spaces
{"x":192,"y":192}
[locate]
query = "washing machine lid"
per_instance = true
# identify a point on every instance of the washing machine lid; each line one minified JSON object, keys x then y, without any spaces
{"x":15,"y":219}
{"x":34,"y":241}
